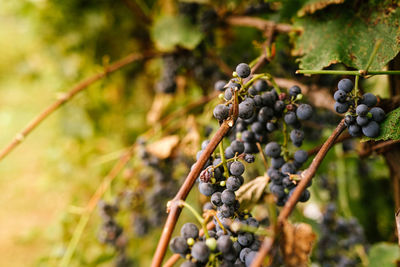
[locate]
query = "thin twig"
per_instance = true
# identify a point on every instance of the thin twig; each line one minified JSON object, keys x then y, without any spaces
{"x":306,"y":177}
{"x":70,"y":94}
{"x":259,"y":23}
{"x":379,"y":147}
{"x":73,"y":243}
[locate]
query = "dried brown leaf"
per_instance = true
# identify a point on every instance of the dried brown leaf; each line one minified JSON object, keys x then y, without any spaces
{"x":164,"y":147}
{"x":160,"y":102}
{"x":297,"y":244}
{"x":191,"y":142}
{"x":250,"y":193}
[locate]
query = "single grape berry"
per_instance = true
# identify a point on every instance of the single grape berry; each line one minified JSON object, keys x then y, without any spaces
{"x":261,"y":86}
{"x":233,"y":183}
{"x":345,"y":85}
{"x":276,"y":163}
{"x":228,"y":197}
{"x":189,"y":230}
{"x":294,"y":91}
{"x":341,"y":107}
{"x":249,"y":158}
{"x":224,"y":244}
{"x":340,"y":96}
{"x":362,"y":121}
{"x":216,"y":199}
{"x":244,"y":253}
{"x":245,"y":239}
{"x":273,"y":150}
{"x":200,"y":251}
{"x":178,"y":245}
{"x":288,"y":167}
{"x":206,"y":189}
{"x":297,"y":137}
{"x":246,"y":109}
{"x":362,"y":110}
{"x":243,"y":70}
{"x":271,"y":126}
{"x":354,"y":130}
{"x":219,"y":85}
{"x":236,"y":168}
{"x":304,"y":112}
{"x":301,"y":156}
{"x":290,"y":118}
{"x":237,"y":147}
{"x":221,"y":112}
{"x":228,"y":94}
{"x":371,"y":129}
{"x":378,"y":114}
{"x":369,"y":99}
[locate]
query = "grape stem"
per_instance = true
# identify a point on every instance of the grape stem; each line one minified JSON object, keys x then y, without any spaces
{"x":223,"y":159}
{"x":350,"y":72}
{"x":264,"y":160}
{"x":306,"y":176}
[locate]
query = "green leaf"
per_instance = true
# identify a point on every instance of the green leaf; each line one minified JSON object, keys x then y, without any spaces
{"x":168,"y":32}
{"x":390,"y":127}
{"x":383,"y":255}
{"x":338,"y":35}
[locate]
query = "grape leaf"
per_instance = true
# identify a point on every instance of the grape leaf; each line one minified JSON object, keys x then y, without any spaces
{"x":383,"y":255}
{"x":337,"y":35}
{"x":168,"y":32}
{"x":390,"y":127}
{"x":311,"y":6}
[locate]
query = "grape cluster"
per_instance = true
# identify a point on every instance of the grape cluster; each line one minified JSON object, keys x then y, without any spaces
{"x":362,"y":116}
{"x":225,"y":243}
{"x":111,"y":233}
{"x":261,"y":111}
{"x":157,"y":187}
{"x":336,"y":246}
{"x":167,"y":81}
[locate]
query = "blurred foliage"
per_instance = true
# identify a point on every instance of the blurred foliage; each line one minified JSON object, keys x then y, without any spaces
{"x":48,"y":45}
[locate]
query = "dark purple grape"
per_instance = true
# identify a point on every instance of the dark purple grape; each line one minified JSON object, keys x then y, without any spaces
{"x":237,"y":147}
{"x":189,"y":230}
{"x":294,"y":91}
{"x":261,"y":85}
{"x":236,"y":168}
{"x":243,"y":70}
{"x":304,"y":112}
{"x":219,"y":85}
{"x":216,"y":199}
{"x":301,"y":156}
{"x":369,"y":99}
{"x":221,"y":112}
{"x":273,"y":149}
{"x":224,"y":244}
{"x":233,"y":183}
{"x":362,"y":110}
{"x":378,"y":114}
{"x":371,"y":130}
{"x":179,"y":245}
{"x":228,"y":197}
{"x":200,"y":251}
{"x":290,"y":118}
{"x":341,"y":107}
{"x":362,"y":121}
{"x":340,"y":96}
{"x":345,"y":85}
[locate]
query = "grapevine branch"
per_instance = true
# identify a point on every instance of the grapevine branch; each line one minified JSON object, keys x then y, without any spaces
{"x":306,"y":177}
{"x":259,"y":23}
{"x":19,"y":137}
